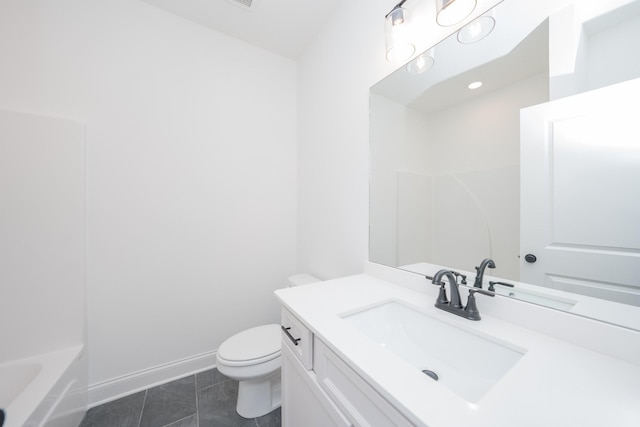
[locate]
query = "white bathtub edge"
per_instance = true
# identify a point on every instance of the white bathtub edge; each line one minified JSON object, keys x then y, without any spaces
{"x":50,"y":396}
{"x":125,"y":385}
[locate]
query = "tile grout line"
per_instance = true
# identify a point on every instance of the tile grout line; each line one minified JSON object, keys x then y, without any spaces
{"x":197,"y":405}
{"x":144,"y":401}
{"x":213,"y":385}
{"x":177,"y":421}
{"x":181,"y":419}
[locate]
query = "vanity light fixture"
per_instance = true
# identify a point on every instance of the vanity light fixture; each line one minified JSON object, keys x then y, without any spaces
{"x":421,"y":63}
{"x":477,"y":29}
{"x":474,"y":85}
{"x":396,"y":34}
{"x":450,"y":12}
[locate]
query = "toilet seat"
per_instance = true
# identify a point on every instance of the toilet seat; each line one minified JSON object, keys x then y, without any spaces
{"x":251,"y":347}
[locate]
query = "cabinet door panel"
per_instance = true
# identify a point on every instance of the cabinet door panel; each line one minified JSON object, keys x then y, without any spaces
{"x":303,"y":402}
{"x":361,"y":404}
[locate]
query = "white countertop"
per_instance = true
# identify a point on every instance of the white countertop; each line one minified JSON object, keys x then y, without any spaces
{"x":553,"y":384}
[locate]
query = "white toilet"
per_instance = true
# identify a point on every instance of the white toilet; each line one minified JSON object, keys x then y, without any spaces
{"x":252,"y":357}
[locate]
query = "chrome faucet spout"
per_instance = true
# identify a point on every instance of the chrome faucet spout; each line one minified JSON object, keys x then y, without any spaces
{"x":487,"y":262}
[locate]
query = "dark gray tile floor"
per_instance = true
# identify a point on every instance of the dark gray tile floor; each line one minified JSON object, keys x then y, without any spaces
{"x":206,"y":399}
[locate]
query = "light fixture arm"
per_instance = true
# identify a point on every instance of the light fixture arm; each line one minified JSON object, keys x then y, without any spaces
{"x":394,"y":8}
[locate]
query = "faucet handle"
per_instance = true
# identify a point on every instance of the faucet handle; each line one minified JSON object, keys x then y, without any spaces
{"x":442,"y":296}
{"x":492,"y":285}
{"x":463,"y":278}
{"x":471,"y":309}
{"x":481,"y":291}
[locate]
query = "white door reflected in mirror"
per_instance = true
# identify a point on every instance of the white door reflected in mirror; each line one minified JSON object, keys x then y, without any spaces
{"x":580,"y":171}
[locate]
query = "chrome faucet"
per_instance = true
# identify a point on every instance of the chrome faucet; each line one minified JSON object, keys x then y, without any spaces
{"x":470,"y":311}
{"x":487,"y":262}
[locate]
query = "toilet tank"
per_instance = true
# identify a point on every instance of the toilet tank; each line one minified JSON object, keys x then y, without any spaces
{"x":301,"y":279}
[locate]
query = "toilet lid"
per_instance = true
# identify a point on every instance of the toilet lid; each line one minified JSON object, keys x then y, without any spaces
{"x":251,"y":344}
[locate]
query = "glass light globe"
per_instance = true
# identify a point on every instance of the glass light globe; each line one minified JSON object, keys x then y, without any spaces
{"x":450,"y":12}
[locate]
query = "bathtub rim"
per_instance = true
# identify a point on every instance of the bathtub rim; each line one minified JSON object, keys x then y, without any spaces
{"x":53,"y":366}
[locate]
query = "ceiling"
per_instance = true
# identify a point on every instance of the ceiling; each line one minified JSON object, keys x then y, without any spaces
{"x":281,"y":26}
{"x":527,"y":59}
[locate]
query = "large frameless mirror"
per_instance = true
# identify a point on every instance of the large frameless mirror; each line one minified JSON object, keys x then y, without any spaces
{"x":537,"y":168}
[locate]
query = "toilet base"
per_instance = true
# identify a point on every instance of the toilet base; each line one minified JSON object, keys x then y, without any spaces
{"x":258,"y":398}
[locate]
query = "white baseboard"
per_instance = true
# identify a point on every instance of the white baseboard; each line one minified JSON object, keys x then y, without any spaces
{"x":116,"y":388}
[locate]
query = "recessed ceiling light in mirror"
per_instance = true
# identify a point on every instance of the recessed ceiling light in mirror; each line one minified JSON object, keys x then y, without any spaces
{"x":477,"y":29}
{"x":474,"y":85}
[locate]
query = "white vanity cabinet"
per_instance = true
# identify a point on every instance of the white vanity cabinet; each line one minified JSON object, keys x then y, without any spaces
{"x":321,"y":390}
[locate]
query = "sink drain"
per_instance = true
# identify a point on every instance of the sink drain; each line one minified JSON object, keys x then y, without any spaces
{"x":431,"y":374}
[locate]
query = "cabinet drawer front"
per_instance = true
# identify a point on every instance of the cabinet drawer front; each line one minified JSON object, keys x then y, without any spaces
{"x":361,"y":404}
{"x":298,"y":338}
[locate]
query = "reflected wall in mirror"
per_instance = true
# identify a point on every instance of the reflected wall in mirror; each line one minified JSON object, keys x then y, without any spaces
{"x":543,"y":158}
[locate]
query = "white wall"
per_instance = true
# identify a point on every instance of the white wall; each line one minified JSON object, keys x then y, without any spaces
{"x":388,"y":133}
{"x":191,"y":173}
{"x":591,"y":44}
{"x":444,"y":193}
{"x":607,"y":65}
{"x":399,"y":160}
{"x":42,"y":235}
{"x":476,"y":204}
{"x":335,"y":73}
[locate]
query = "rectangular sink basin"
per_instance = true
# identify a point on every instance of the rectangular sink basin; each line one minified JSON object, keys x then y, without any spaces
{"x":465,"y":362}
